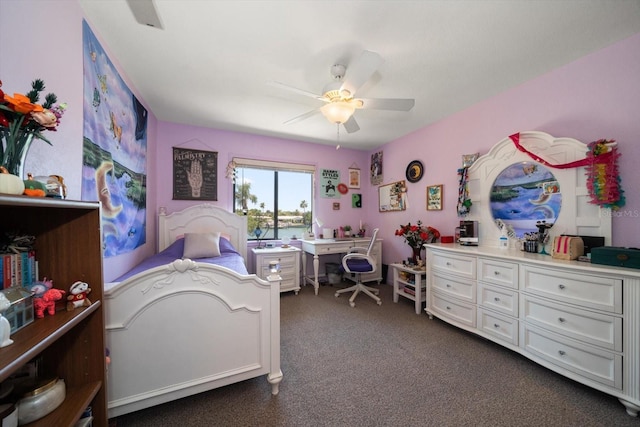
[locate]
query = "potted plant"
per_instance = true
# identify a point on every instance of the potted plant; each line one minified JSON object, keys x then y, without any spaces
{"x":347,"y":230}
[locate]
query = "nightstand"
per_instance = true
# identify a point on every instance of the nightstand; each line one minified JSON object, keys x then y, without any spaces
{"x":410,"y":283}
{"x":289,"y":259}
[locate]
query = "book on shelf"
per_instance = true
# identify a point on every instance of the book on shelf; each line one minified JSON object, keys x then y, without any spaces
{"x":411,"y":289}
{"x":17,"y":269}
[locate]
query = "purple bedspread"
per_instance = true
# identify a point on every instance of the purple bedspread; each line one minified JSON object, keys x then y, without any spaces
{"x":229,"y":258}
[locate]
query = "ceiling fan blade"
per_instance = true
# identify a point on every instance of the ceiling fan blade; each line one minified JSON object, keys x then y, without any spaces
{"x":396,"y":104}
{"x":296,"y":90}
{"x":361,"y":70}
{"x":302,"y":116}
{"x":351,"y":125}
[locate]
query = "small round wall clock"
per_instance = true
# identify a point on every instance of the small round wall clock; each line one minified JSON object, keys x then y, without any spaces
{"x":415,"y":170}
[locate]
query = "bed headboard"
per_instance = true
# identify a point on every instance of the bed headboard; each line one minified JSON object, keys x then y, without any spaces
{"x":201,"y":219}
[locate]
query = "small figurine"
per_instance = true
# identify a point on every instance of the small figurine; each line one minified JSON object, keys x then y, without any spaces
{"x":5,"y":326}
{"x":78,"y":295}
{"x":47,"y":302}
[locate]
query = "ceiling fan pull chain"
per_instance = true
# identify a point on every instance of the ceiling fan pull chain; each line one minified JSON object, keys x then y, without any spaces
{"x":338,"y":135}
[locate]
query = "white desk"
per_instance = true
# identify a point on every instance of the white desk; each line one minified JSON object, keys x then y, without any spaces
{"x":320,"y":247}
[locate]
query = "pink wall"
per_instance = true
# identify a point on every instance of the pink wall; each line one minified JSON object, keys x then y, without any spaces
{"x":594,"y":97}
{"x":51,"y":49}
{"x":597,"y":96}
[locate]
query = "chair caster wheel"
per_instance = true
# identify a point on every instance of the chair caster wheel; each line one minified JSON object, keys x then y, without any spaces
{"x":336,"y":295}
{"x":352,"y":304}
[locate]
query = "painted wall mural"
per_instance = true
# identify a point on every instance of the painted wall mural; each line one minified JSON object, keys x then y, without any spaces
{"x":114,"y":156}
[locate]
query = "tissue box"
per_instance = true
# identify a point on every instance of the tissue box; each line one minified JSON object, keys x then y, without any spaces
{"x":567,"y":247}
{"x":620,"y":257}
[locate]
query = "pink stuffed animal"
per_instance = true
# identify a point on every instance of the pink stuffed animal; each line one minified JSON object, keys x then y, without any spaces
{"x":47,"y":302}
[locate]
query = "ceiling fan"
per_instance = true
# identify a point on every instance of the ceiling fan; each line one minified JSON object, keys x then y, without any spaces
{"x":339,"y":98}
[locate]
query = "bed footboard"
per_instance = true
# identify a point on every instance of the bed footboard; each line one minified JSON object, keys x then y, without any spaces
{"x":188,"y":327}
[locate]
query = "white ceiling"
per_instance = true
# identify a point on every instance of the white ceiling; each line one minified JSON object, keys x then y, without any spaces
{"x":210,"y":64}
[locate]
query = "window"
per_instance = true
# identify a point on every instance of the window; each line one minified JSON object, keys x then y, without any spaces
{"x":276,"y":197}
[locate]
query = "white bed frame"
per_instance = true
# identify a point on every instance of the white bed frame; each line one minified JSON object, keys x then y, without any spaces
{"x":188,"y":327}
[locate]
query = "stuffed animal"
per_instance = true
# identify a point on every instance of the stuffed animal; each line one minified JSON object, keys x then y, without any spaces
{"x":47,"y":302}
{"x":38,"y":288}
{"x":5,"y":326}
{"x":78,"y":295}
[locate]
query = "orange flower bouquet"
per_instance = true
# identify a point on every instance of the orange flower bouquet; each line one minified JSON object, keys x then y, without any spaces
{"x":21,"y":120}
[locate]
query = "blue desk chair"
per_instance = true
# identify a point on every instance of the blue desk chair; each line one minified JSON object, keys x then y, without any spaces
{"x":358,"y":261}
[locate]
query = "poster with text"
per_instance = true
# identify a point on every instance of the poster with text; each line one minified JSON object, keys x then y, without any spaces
{"x":329,"y":180}
{"x":194,"y":174}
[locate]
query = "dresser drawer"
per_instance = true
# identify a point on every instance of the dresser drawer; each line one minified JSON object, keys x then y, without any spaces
{"x":502,"y":327}
{"x":456,"y":264}
{"x":287,"y":260}
{"x":498,"y":272}
{"x":456,"y":311}
{"x":456,"y":288}
{"x":498,"y":299}
{"x":587,"y":361}
{"x":593,"y":328}
{"x":586,"y":290}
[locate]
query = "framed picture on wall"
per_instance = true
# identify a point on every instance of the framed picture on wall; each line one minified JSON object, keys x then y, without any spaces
{"x":434,"y":197}
{"x":354,"y":178}
{"x":195,"y":174}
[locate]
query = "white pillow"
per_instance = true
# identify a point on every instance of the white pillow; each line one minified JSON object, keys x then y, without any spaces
{"x":201,"y":245}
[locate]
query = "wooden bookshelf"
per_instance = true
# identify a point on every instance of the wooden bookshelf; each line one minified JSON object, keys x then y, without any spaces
{"x":71,"y":344}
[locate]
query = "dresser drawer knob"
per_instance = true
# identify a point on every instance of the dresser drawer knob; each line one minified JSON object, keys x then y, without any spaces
{"x":496,"y":273}
{"x":496,"y":299}
{"x":448,"y":285}
{"x":495,"y":325}
{"x":448,"y":308}
{"x":449,"y":264}
{"x":561,"y":352}
{"x":561,"y":286}
{"x":561,"y":319}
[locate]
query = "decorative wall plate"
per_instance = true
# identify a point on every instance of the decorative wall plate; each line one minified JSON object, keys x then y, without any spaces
{"x":342,"y":188}
{"x":415,"y":170}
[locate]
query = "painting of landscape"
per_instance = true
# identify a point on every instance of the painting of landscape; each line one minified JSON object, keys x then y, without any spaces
{"x":524,"y":194}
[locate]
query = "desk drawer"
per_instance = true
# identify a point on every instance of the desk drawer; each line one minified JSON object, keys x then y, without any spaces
{"x":599,"y":292}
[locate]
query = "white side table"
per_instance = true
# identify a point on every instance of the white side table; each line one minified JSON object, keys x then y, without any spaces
{"x":289,"y":259}
{"x":410,"y":283}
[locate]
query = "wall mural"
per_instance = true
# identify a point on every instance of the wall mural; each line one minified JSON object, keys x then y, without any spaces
{"x":114,"y":159}
{"x":523,"y":194}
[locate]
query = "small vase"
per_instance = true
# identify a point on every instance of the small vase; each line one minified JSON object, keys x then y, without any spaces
{"x":416,"y":255}
{"x":13,"y":156}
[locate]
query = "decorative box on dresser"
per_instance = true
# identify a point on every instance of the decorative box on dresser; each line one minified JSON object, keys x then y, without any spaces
{"x":70,"y":344}
{"x":578,"y":319}
{"x":289,"y":259}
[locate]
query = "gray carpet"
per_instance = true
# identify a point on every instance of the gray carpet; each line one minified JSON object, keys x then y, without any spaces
{"x":387,"y":366}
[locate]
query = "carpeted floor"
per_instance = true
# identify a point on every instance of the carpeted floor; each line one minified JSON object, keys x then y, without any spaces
{"x":387,"y":366}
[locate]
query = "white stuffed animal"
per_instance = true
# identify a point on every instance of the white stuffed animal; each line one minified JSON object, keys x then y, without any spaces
{"x":5,"y":327}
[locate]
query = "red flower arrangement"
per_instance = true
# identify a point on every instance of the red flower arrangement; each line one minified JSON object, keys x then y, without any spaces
{"x":417,"y":235}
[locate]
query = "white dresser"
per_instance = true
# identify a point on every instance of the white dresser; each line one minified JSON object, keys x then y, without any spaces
{"x":578,"y":319}
{"x":289,"y":259}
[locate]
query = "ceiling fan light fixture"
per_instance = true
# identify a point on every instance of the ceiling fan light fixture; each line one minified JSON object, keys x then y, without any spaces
{"x":338,"y":111}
